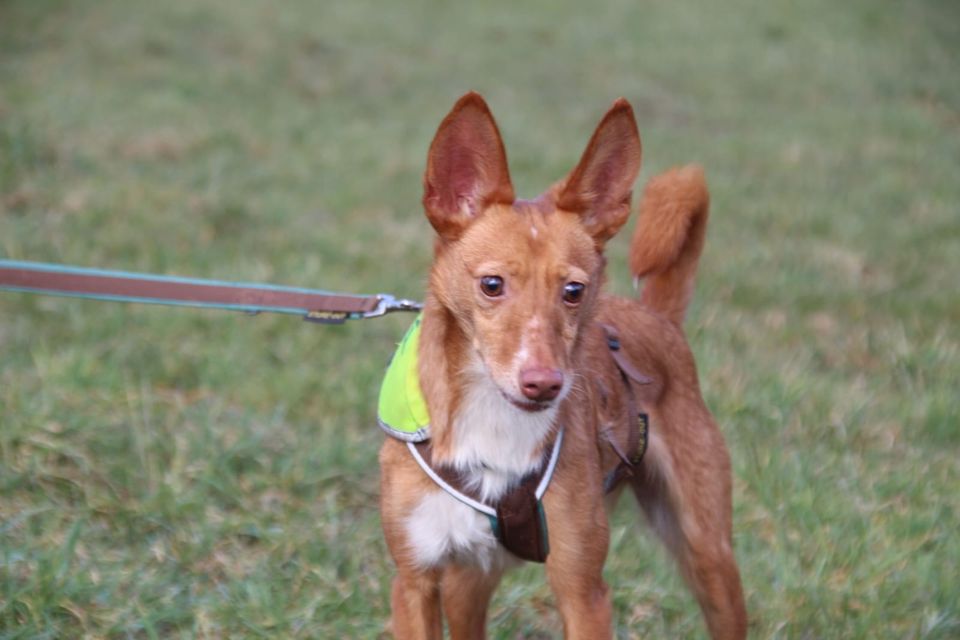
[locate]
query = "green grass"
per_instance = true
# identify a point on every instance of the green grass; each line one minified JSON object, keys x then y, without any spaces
{"x":169,"y":473}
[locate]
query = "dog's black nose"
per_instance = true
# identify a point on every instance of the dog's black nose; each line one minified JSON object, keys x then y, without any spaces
{"x":541,"y":383}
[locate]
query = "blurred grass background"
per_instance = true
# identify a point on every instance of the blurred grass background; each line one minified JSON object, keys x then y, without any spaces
{"x":169,"y":473}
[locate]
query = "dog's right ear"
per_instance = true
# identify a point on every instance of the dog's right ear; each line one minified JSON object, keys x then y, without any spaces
{"x":466,"y":168}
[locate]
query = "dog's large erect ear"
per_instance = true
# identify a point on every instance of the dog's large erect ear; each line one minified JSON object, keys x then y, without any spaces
{"x":600,"y":187}
{"x":466,"y":168}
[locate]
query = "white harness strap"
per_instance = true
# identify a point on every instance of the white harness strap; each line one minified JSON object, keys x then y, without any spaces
{"x":440,"y":482}
{"x":486,"y":509}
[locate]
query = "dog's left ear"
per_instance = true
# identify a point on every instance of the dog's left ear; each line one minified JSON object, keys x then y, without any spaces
{"x":600,"y":187}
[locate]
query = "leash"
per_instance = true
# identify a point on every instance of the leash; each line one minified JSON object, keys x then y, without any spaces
{"x":314,"y":305}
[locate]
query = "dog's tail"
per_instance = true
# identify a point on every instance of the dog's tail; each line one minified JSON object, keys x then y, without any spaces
{"x":668,"y":239}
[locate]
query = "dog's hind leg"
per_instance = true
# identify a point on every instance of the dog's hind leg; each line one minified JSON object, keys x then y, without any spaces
{"x":684,"y":491}
{"x":465,"y":593}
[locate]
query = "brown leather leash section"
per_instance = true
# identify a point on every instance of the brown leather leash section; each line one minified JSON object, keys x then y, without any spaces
{"x":129,"y":287}
{"x":120,"y":286}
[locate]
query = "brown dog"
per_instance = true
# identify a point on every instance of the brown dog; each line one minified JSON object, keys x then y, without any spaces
{"x":518,"y":345}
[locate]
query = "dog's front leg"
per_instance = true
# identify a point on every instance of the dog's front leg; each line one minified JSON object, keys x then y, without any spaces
{"x":415,"y":601}
{"x":578,"y":549}
{"x":466,"y":596}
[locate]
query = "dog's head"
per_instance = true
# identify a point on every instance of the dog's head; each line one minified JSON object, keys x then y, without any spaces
{"x":521,"y":277}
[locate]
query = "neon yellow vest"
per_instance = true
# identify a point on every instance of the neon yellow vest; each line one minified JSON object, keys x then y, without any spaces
{"x":401,"y":410}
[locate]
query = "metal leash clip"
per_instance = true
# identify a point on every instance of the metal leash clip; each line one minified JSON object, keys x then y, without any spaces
{"x":387,"y":303}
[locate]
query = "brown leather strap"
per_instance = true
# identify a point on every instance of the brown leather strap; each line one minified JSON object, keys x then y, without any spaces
{"x":625,"y":366}
{"x":183,"y":292}
{"x":639,"y":423}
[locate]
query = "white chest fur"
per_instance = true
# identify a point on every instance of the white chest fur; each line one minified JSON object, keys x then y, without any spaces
{"x":495,"y":445}
{"x":442,"y":529}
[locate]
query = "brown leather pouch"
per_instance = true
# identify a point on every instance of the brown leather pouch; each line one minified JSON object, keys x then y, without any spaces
{"x":522,"y":524}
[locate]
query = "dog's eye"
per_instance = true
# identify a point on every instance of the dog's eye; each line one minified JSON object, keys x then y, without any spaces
{"x":573,"y":292}
{"x":492,"y":286}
